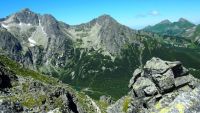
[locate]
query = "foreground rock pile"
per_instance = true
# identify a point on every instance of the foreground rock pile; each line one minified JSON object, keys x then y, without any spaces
{"x":161,"y":86}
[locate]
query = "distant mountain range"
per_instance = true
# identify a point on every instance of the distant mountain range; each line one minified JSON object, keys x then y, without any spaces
{"x":97,"y":57}
{"x":181,"y":28}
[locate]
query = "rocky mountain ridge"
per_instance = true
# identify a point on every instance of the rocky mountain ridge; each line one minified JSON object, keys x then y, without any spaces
{"x":96,"y":57}
{"x":55,"y":41}
{"x":47,"y":43}
{"x":182,"y":28}
{"x":165,"y":27}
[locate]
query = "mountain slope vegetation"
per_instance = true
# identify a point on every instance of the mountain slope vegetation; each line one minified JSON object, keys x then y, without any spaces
{"x":97,"y":57}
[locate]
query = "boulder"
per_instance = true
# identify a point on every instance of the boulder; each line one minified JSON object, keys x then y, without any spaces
{"x":144,"y":86}
{"x":162,"y":86}
{"x":136,"y":75}
{"x":165,"y":81}
{"x":157,"y":65}
{"x":179,"y":81}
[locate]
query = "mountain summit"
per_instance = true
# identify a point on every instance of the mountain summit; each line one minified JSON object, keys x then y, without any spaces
{"x":183,"y":20}
{"x":165,"y":22}
{"x":105,"y":19}
{"x":23,"y":16}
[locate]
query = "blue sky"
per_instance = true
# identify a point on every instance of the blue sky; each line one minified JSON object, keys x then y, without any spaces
{"x":133,"y":13}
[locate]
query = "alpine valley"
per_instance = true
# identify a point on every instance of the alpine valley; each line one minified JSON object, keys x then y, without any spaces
{"x":50,"y":66}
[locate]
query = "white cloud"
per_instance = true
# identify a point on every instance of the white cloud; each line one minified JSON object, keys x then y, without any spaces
{"x":154,"y":13}
{"x":151,"y":13}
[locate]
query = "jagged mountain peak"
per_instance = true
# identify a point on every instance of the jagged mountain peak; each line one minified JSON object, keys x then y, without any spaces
{"x":165,"y":22}
{"x":28,"y":17}
{"x":176,"y":28}
{"x":184,"y":23}
{"x":26,"y":10}
{"x":105,"y":16}
{"x":105,"y":19}
{"x":183,"y":20}
{"x":24,"y":16}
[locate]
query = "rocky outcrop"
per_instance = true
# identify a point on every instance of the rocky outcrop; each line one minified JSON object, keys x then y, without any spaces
{"x":7,"y":78}
{"x":8,"y":43}
{"x":22,"y":93}
{"x":106,"y":99}
{"x":161,"y":86}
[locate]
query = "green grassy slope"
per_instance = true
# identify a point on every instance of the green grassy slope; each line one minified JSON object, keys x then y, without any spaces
{"x":21,"y":71}
{"x":89,"y":76}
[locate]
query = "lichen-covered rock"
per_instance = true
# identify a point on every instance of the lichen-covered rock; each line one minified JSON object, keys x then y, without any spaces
{"x":161,"y":87}
{"x":187,"y":102}
{"x":24,"y":94}
{"x":107,"y":99}
{"x":121,"y":106}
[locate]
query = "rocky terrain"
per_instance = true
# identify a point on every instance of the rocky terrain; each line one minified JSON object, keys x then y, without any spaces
{"x":96,"y":58}
{"x":157,"y":87}
{"x":160,"y":87}
{"x":25,"y":91}
{"x":71,"y":53}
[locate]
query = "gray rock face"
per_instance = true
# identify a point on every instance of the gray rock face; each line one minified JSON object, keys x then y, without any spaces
{"x":26,"y":16}
{"x":59,"y":45}
{"x":39,"y":40}
{"x":165,"y":82}
{"x":161,"y":86}
{"x":110,"y":35}
{"x":9,"y":43}
{"x":113,"y":34}
{"x":144,"y":86}
{"x":136,"y":74}
{"x":117,"y":107}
